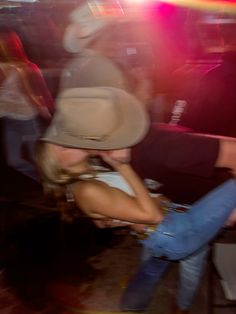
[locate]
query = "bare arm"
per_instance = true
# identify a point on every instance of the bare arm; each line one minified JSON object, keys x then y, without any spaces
{"x":227,"y":154}
{"x":141,"y":193}
{"x":98,"y":200}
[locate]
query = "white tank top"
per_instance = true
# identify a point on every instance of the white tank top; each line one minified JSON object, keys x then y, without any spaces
{"x":115,"y":180}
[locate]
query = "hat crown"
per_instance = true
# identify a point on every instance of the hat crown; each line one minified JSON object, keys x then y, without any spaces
{"x":97,"y":118}
{"x":90,"y":118}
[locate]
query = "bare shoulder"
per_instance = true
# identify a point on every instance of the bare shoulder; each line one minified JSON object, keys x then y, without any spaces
{"x":93,"y":197}
{"x":88,"y":188}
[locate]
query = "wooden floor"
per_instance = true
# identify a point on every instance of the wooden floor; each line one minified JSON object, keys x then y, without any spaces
{"x":50,"y":267}
{"x":53,"y":268}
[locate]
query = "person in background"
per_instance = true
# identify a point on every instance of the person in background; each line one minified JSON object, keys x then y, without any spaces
{"x":211,"y":107}
{"x":94,"y":40}
{"x":204,"y":53}
{"x":201,"y":88}
{"x":26,"y":105}
{"x":93,"y":65}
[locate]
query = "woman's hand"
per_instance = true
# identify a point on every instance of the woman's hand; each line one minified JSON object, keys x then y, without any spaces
{"x":116,"y":157}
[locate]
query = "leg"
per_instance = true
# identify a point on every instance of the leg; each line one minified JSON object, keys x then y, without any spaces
{"x":190,"y":274}
{"x":20,"y":137}
{"x":140,"y":289}
{"x":181,"y":234}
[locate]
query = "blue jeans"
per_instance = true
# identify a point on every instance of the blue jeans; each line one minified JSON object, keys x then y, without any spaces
{"x":190,"y":273}
{"x":20,"y":137}
{"x":182,"y":233}
{"x":141,"y":288}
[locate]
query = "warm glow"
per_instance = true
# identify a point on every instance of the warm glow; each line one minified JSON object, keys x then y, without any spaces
{"x":109,"y":8}
{"x":229,"y":6}
{"x":139,"y":1}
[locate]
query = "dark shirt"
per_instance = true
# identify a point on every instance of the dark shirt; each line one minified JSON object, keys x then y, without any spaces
{"x":182,"y":162}
{"x":211,"y":108}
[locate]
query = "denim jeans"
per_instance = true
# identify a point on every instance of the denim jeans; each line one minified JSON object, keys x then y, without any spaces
{"x":137,"y":295}
{"x":140,"y":290}
{"x":182,"y":233}
{"x":20,"y":137}
{"x":190,"y":273}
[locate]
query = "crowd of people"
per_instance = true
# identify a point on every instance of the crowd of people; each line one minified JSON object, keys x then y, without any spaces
{"x":170,"y":183}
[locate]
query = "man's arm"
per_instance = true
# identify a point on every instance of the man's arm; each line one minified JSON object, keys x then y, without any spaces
{"x":191,"y":153}
{"x":227,"y":154}
{"x":231,"y":222}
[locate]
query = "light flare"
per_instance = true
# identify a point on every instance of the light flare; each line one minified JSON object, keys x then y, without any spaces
{"x":228,"y":6}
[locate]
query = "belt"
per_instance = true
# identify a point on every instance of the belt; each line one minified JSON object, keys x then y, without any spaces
{"x":166,"y":206}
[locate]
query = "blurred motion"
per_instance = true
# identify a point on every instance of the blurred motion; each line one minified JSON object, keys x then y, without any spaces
{"x":107,"y":50}
{"x":169,"y":54}
{"x":210,"y":104}
{"x":25,"y":104}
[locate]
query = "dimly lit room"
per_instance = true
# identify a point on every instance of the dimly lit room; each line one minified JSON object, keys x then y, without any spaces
{"x":118,"y":150}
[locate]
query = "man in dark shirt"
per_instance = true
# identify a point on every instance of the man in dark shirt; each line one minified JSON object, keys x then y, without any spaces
{"x":185,"y":175}
{"x":207,"y":108}
{"x":213,"y":109}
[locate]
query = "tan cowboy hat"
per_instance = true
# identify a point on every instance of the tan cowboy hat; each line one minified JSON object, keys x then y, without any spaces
{"x":97,"y":118}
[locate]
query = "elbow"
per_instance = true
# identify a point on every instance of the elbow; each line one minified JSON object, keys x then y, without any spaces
{"x":157,"y":219}
{"x":153,"y":212}
{"x":154,"y":218}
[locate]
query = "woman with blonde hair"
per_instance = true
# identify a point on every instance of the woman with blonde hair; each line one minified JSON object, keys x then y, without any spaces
{"x":118,"y":196}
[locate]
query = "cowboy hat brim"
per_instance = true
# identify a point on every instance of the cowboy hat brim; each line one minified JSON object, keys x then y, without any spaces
{"x":132,"y":121}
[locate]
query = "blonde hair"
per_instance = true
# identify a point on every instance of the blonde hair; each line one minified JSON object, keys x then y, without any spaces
{"x":53,"y":177}
{"x":54,"y":180}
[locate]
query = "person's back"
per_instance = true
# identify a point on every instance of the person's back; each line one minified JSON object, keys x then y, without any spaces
{"x":185,"y":83}
{"x":159,"y":170}
{"x":211,"y":107}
